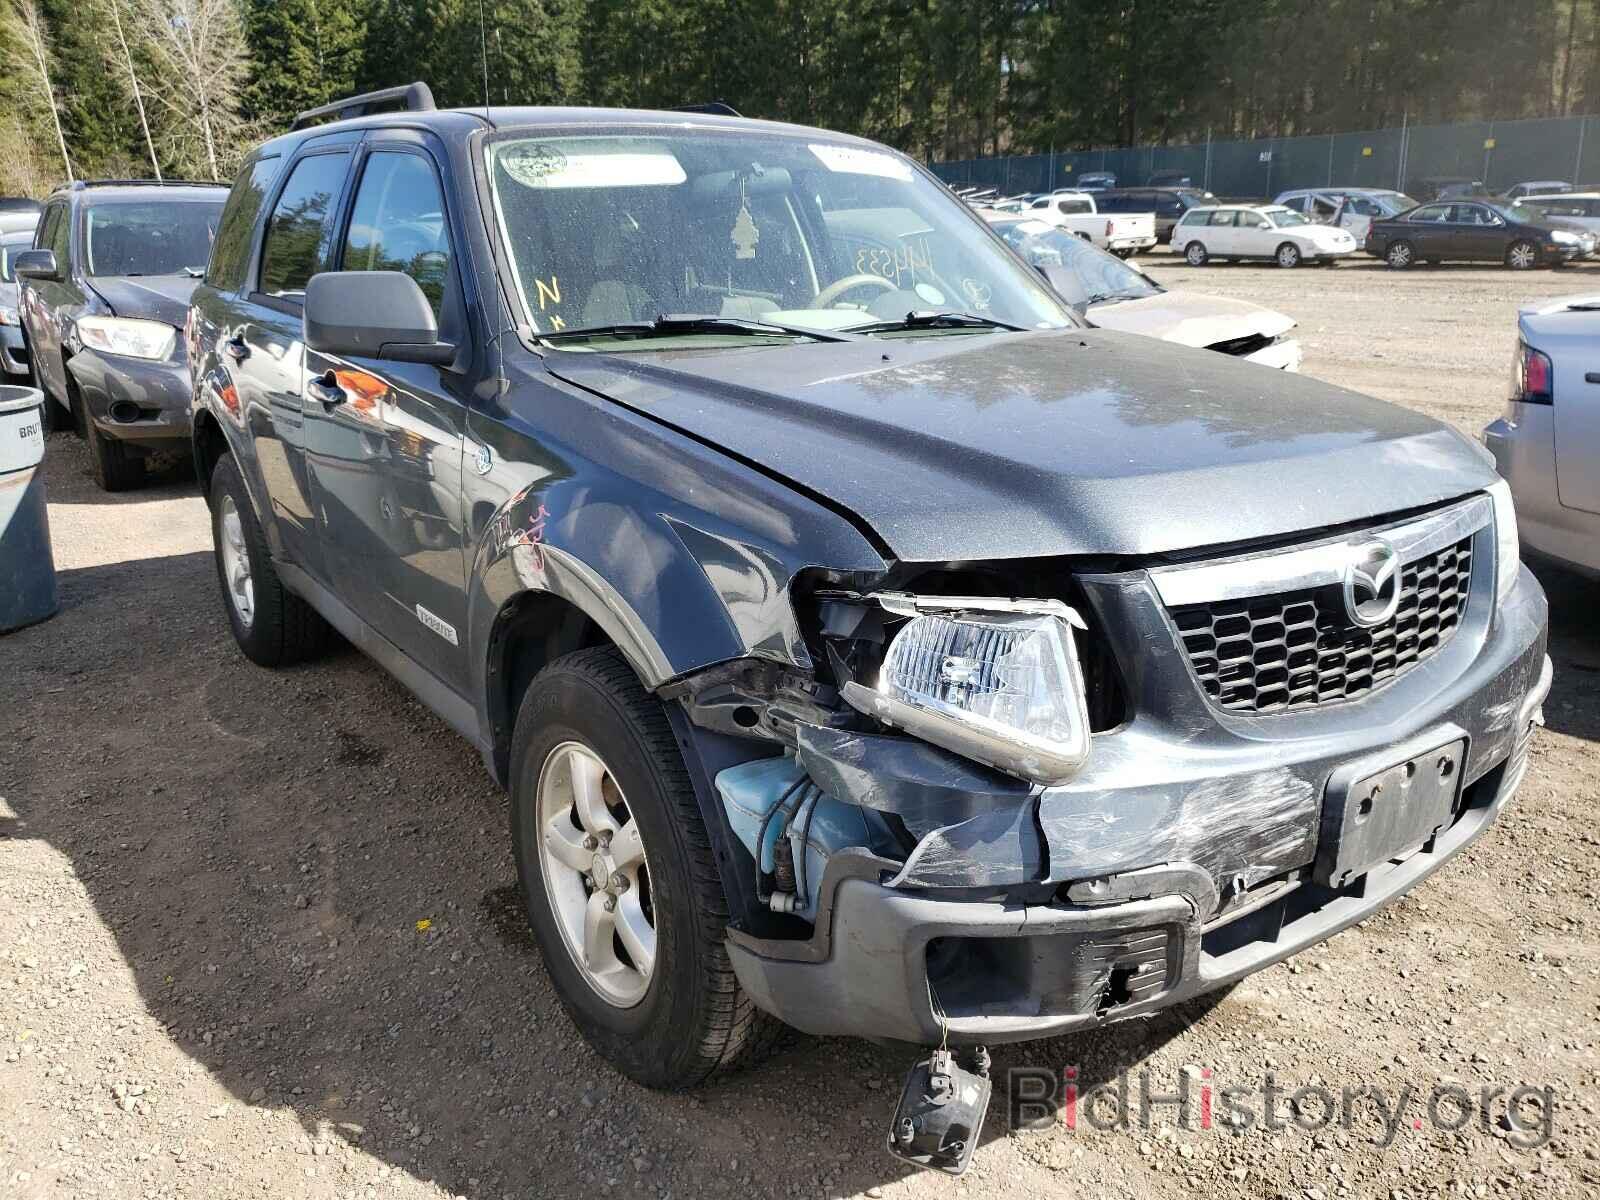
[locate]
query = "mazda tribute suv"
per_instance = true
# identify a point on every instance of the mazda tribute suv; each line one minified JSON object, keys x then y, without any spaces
{"x":866,"y":644}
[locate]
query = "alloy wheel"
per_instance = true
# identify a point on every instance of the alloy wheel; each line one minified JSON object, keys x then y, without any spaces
{"x":236,"y":563}
{"x":595,"y":874}
{"x":1522,"y":256}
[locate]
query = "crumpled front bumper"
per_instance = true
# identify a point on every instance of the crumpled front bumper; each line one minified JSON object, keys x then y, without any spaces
{"x":1130,"y":916}
{"x":133,"y":399}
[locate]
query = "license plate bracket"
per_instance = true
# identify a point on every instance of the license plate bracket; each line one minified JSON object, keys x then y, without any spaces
{"x":1370,"y":816}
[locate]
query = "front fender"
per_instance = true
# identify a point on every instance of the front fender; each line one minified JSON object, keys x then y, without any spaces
{"x":684,"y":557}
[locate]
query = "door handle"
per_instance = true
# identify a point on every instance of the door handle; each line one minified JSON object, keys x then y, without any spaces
{"x":325,"y":388}
{"x":1592,"y":377}
{"x":235,"y":349}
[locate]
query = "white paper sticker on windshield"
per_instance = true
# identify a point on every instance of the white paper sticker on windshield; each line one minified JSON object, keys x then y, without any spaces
{"x":855,"y":161}
{"x":546,"y":165}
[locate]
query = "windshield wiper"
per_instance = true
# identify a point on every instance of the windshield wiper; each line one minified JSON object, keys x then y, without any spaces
{"x":936,"y":320}
{"x":669,"y":324}
{"x":1106,"y":297}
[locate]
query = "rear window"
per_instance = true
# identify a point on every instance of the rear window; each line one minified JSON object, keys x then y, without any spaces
{"x":149,"y":237}
{"x":230,"y":253}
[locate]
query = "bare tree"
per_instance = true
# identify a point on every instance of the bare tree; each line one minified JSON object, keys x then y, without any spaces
{"x":21,"y":172}
{"x":36,"y":40}
{"x":133,"y":79}
{"x":201,"y":59}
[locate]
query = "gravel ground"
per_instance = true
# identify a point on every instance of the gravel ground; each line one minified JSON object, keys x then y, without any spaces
{"x":258,"y":932}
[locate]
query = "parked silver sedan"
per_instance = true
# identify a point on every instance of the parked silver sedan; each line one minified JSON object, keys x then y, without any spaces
{"x":1547,"y":444}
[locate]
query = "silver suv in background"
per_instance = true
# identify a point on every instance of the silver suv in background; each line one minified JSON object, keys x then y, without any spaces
{"x":1547,"y":443}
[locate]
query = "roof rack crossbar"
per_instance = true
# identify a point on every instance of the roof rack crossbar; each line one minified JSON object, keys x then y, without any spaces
{"x":412,"y":97}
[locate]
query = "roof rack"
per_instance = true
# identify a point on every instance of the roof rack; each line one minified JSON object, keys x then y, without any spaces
{"x":412,"y":97}
{"x":716,"y":108}
{"x":78,"y":185}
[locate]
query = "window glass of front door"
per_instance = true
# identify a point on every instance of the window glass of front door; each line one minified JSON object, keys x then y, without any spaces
{"x":296,"y":246}
{"x":398,"y":223}
{"x":61,"y":237}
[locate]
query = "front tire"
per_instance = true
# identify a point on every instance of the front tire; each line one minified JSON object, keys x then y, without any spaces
{"x":1288,"y":256}
{"x":1522,"y":255}
{"x":1400,"y":256}
{"x":619,"y":879}
{"x":116,"y":467}
{"x":273,"y":626}
{"x":1195,"y":254}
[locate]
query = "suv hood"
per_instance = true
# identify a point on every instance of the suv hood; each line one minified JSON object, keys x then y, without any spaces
{"x":153,"y":297}
{"x":1190,"y":318}
{"x":989,"y":446}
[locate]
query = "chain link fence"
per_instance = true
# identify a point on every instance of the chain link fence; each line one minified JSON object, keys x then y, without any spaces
{"x":1496,"y":153}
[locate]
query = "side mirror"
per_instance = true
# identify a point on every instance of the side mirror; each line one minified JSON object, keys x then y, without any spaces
{"x":372,"y":314}
{"x":36,"y":264}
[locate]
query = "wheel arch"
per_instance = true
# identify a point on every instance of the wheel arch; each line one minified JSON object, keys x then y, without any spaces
{"x":530,"y":631}
{"x":210,"y":444}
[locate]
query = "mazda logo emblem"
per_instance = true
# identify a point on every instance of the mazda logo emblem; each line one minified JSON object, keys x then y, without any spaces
{"x":1372,"y":583}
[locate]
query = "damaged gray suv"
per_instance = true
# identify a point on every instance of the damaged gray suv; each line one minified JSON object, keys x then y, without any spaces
{"x":866,"y":645}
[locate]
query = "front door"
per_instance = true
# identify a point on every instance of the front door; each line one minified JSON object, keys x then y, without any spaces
{"x":44,"y":300}
{"x":268,"y":355}
{"x":1477,"y":234}
{"x":392,"y":519}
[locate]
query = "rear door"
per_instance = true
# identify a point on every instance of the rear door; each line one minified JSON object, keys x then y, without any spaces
{"x":267,"y":351}
{"x":1429,"y":231}
{"x":392,"y":520}
{"x":1253,"y":236}
{"x":1220,"y":235}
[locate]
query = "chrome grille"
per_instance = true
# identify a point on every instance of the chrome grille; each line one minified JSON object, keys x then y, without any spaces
{"x":1298,"y":649}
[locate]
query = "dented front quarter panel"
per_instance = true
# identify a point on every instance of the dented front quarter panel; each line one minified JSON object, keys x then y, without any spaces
{"x":683,"y":556}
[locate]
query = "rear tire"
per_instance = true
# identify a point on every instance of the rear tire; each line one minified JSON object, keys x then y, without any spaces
{"x":1400,"y":256}
{"x":116,"y":467}
{"x":272,"y":625}
{"x":1195,"y":254}
{"x":687,"y":1019}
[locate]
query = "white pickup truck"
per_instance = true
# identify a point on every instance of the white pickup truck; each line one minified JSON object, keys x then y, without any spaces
{"x":1124,"y":234}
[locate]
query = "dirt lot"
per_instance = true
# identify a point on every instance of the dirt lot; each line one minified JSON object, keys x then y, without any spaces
{"x":215,"y":977}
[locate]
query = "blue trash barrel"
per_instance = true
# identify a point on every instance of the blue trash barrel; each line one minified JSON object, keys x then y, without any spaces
{"x":27,"y":568}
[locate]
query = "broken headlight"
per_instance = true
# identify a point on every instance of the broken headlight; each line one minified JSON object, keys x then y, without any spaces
{"x":997,"y":681}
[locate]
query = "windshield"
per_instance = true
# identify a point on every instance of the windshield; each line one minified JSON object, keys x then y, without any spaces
{"x":1283,"y":218}
{"x":794,"y":231}
{"x":150,"y":237}
{"x":1092,"y":276}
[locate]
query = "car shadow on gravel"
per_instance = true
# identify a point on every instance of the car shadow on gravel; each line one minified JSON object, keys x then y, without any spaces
{"x":1574,"y":704}
{"x":307,"y":876}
